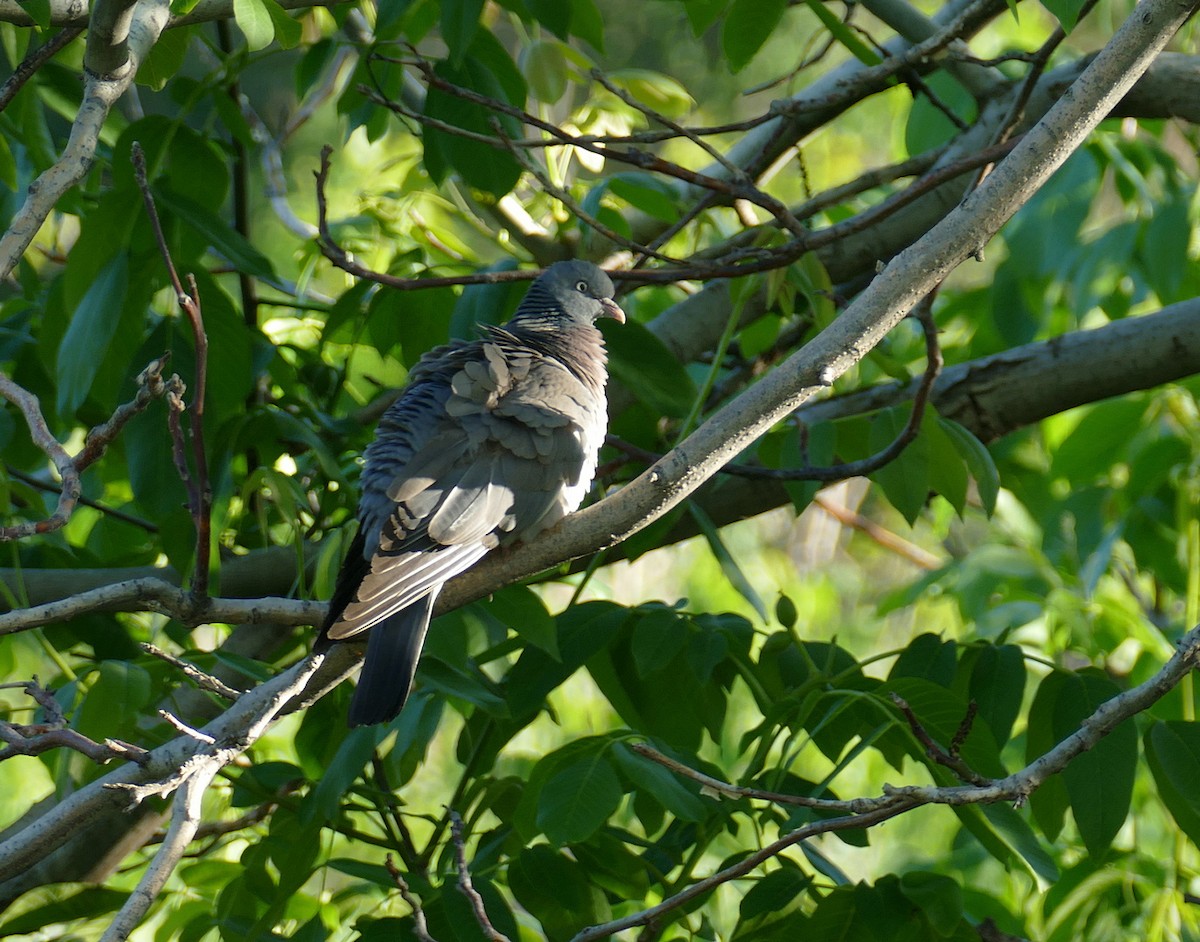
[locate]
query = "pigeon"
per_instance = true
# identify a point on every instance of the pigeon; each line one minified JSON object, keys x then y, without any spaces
{"x":492,"y":441}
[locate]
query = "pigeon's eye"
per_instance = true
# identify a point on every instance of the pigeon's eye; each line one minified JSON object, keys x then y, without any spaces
{"x":581,"y":286}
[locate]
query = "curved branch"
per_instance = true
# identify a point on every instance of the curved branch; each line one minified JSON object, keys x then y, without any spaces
{"x":868,"y":812}
{"x":153,"y":594}
{"x":910,"y":275}
{"x":100,"y":94}
{"x":40,"y":432}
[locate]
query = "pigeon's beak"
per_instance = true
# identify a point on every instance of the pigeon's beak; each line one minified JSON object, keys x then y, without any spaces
{"x":610,"y":308}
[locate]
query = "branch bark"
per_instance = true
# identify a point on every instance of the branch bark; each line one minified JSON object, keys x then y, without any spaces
{"x":909,"y":276}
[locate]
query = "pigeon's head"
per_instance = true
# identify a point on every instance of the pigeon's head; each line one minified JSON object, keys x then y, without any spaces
{"x":569,"y":293}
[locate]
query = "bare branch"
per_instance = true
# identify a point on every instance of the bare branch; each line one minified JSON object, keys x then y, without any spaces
{"x":185,"y":820}
{"x":896,"y":801}
{"x":201,"y":679}
{"x":100,"y":94}
{"x":947,"y":757}
{"x":39,"y":431}
{"x":199,"y":487}
{"x":466,"y":887}
{"x":36,"y":738}
{"x":157,"y":595}
{"x":33,"y":61}
{"x":420,"y":926}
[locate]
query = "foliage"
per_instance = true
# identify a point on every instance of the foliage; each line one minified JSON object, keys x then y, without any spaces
{"x":1047,"y":563}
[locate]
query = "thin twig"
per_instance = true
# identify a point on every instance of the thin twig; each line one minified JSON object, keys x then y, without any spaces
{"x":420,"y":925}
{"x":32,"y":739}
{"x":467,"y":888}
{"x":150,"y":386}
{"x":947,"y":757}
{"x":39,"y":431}
{"x":34,"y":60}
{"x":201,"y":679}
{"x":715,"y":788}
{"x":199,"y":487}
{"x":916,"y":555}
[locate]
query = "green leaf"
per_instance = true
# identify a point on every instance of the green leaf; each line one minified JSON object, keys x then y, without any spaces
{"x":1099,"y":781}
{"x":928,"y":126}
{"x":460,"y":20}
{"x":656,"y":782}
{"x":587,"y":23}
{"x":1164,"y":253}
{"x":1050,"y":802}
{"x":578,"y":798}
{"x":703,"y":13}
{"x":998,"y":687}
{"x":40,"y":11}
{"x":643,"y":365}
{"x":747,"y":26}
{"x":545,"y":69}
{"x":556,"y":892}
{"x":1100,"y":440}
{"x":118,"y":693}
{"x":947,"y":469}
{"x":978,"y":461}
{"x":322,"y":803}
{"x":60,"y":904}
{"x":471,"y":686}
{"x":729,"y":566}
{"x":651,"y":195}
{"x":1006,"y":836}
{"x":938,"y":896}
{"x":657,"y":638}
{"x":83,"y":348}
{"x":165,"y":58}
{"x":941,"y":712}
{"x":8,"y":165}
{"x":489,"y":71}
{"x":843,"y":34}
{"x":661,"y":92}
{"x":226,"y":240}
{"x":905,"y":480}
{"x":287,"y":30}
{"x":773,"y":894}
{"x":555,"y":15}
{"x":1065,"y":11}
{"x":254,"y":20}
{"x":521,"y":609}
{"x":1173,"y":754}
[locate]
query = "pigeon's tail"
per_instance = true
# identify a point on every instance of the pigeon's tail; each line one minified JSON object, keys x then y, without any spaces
{"x":393,"y":649}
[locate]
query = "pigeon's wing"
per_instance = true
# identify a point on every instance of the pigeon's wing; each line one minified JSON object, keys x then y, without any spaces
{"x":485,"y":446}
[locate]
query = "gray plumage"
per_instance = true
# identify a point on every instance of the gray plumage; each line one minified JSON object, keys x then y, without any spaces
{"x":492,"y":441}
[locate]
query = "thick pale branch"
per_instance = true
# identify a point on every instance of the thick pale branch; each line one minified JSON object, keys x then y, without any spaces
{"x":164,"y":769}
{"x":99,"y":95}
{"x":185,"y":821}
{"x":152,"y":594}
{"x":909,"y":276}
{"x":75,"y":12}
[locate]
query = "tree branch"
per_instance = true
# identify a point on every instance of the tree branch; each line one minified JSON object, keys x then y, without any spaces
{"x":869,"y":812}
{"x":911,"y":275}
{"x":99,"y":95}
{"x":150,"y":594}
